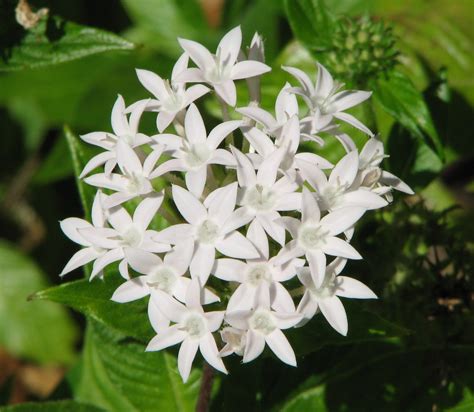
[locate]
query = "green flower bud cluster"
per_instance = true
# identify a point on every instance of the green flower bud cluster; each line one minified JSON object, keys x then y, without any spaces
{"x":360,"y":49}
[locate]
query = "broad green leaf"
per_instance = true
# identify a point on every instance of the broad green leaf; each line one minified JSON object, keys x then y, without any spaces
{"x":92,"y":298}
{"x":55,"y":41}
{"x":163,"y":21}
{"x":41,"y":331}
{"x":399,"y":97}
{"x":119,"y":375}
{"x":56,"y":406}
{"x":79,"y":159}
{"x":311,"y":22}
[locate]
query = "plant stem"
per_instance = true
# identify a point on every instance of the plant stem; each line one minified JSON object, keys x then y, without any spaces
{"x":207,"y":379}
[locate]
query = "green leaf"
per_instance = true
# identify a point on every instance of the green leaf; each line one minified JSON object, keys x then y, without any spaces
{"x":311,"y":22}
{"x":119,"y":375}
{"x":41,"y":331}
{"x":58,"y":406}
{"x":364,"y":326}
{"x":55,"y":41}
{"x":163,"y":21}
{"x":399,"y":97}
{"x":92,"y":298}
{"x":79,"y":159}
{"x":53,"y":167}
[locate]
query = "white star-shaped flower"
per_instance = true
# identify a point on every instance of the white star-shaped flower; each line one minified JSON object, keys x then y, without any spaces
{"x":171,"y":96}
{"x":196,"y":150}
{"x":193,"y":329}
{"x":315,"y":237}
{"x":220,"y":70}
{"x":126,"y":232}
{"x":256,"y":273}
{"x":264,"y":326}
{"x":124,"y":128}
{"x":325,"y":101}
{"x":326,"y":297}
{"x":134,"y":179}
{"x":371,"y":176}
{"x":262,"y":196}
{"x":211,"y":226}
{"x":340,"y":190}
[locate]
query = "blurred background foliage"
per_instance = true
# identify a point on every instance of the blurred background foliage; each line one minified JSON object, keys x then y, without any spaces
{"x":417,"y":56}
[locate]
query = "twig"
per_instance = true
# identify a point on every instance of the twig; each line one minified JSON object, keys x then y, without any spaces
{"x":207,"y":379}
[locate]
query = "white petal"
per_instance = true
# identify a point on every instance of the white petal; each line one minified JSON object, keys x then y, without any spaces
{"x":259,"y":141}
{"x":257,"y":236}
{"x":324,"y":82}
{"x":146,"y":211}
{"x":110,"y":257}
{"x":307,"y":306}
{"x":222,"y":157}
{"x":286,"y":104}
{"x":254,"y":346}
{"x":208,"y":348}
{"x":223,"y":203}
{"x":348,"y":118}
{"x":169,"y":306}
{"x":196,"y":180}
{"x":352,"y":288}
{"x":202,"y":262}
{"x":95,"y":162}
{"x":227,"y":92}
{"x":345,"y":170}
{"x":229,"y":46}
{"x":70,"y":228}
{"x":237,"y":219}
{"x":193,"y":295}
{"x":175,"y":165}
{"x":290,"y":251}
{"x":170,"y":141}
{"x":313,"y":175}
{"x":230,"y":270}
{"x":186,"y":355}
{"x":141,"y":261}
{"x":269,"y":222}
{"x":105,"y":238}
{"x":348,"y":98}
{"x":127,"y":159}
{"x":309,"y":207}
{"x":395,"y":182}
{"x":117,"y":199}
{"x":245,"y":170}
{"x":189,"y":207}
{"x":289,"y":202}
{"x":342,"y":219}
{"x":164,"y":119}
{"x":363,"y":198}
{"x":192,"y":74}
{"x":158,"y":321}
{"x":151,"y":160}
{"x":119,"y":118}
{"x":248,"y":68}
{"x":280,"y":346}
{"x":153,"y":83}
{"x":259,"y":115}
{"x":302,"y":78}
{"x":198,"y":53}
{"x":214,"y":319}
{"x":238,"y":319}
{"x":180,"y":257}
{"x":194,"y":125}
{"x":281,"y":298}
{"x":80,"y":258}
{"x":194,"y":93}
{"x":267,"y":171}
{"x":237,"y":246}
{"x":338,"y":247}
{"x":132,"y":289}
{"x":314,"y":159}
{"x":174,"y":234}
{"x":119,"y":219}
{"x":180,"y":65}
{"x":166,"y":338}
{"x":317,"y":265}
{"x":113,"y":181}
{"x":220,"y":132}
{"x":335,"y":314}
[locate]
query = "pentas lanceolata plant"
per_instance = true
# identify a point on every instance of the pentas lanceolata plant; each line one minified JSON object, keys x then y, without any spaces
{"x":277,"y":219}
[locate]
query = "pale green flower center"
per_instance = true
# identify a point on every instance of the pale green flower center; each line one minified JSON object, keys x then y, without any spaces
{"x":262,"y":321}
{"x":312,"y":236}
{"x":207,"y":232}
{"x":194,"y":325}
{"x":330,"y":197}
{"x":327,"y":289}
{"x":162,"y":278}
{"x":137,"y":183}
{"x":132,"y":237}
{"x":258,"y":273}
{"x":197,"y":155}
{"x":260,"y":198}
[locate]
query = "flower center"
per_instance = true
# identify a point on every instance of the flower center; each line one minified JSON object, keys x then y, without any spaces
{"x":207,"y":232}
{"x":194,"y":325}
{"x":258,"y":273}
{"x":330,"y":197}
{"x":162,"y":278}
{"x":132,"y":237}
{"x":312,"y":236}
{"x":197,"y":155}
{"x":327,"y":289}
{"x":260,"y":198}
{"x":262,"y":321}
{"x":137,"y":183}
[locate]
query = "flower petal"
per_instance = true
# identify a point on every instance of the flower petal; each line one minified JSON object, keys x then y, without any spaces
{"x":348,"y":118}
{"x":335,"y":314}
{"x":345,"y":170}
{"x":131,"y":290}
{"x":146,"y":211}
{"x":202,"y":262}
{"x":352,"y":288}
{"x":237,"y":246}
{"x":338,"y":247}
{"x":153,"y":83}
{"x":248,"y":68}
{"x":196,"y":180}
{"x":208,"y":348}
{"x":230,"y":270}
{"x":342,"y":219}
{"x":141,"y":261}
{"x":194,"y":125}
{"x":220,"y":132}
{"x":317,"y":264}
{"x":227,"y":92}
{"x":280,"y":346}
{"x":198,"y":53}
{"x":190,"y":208}
{"x":167,"y":337}
{"x":254,"y":346}
{"x":229,"y":46}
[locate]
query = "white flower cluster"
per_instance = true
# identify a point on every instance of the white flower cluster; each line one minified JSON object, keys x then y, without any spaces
{"x":271,"y":187}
